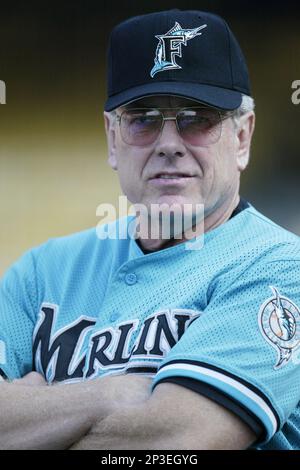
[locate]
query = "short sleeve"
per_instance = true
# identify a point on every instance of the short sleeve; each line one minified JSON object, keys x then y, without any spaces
{"x":243,"y":351}
{"x":18,"y":307}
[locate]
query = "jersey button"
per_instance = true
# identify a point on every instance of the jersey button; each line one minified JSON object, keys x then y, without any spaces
{"x":131,"y":279}
{"x":123,"y":272}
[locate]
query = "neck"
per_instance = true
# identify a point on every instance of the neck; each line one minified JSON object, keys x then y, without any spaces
{"x":218,"y":215}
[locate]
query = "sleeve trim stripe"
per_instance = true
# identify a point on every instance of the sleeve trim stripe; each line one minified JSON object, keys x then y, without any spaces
{"x":242,"y":381}
{"x":229,"y":386}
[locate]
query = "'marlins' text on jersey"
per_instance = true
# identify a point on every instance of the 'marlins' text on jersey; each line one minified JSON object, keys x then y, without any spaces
{"x":80,"y":350}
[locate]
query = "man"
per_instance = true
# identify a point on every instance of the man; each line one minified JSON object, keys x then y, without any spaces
{"x":184,"y":342}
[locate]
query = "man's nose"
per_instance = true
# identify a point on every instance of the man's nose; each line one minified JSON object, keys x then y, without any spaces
{"x":170,"y":142}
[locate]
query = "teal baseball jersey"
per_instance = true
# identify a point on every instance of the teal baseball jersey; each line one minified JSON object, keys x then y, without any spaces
{"x":222,"y":320}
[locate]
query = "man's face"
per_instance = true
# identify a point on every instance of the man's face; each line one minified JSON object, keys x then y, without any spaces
{"x":211,"y":173}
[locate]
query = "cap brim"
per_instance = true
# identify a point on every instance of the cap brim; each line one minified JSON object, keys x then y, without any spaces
{"x":214,"y":96}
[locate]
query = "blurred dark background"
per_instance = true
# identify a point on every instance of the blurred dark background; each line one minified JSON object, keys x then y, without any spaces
{"x":53,"y":170}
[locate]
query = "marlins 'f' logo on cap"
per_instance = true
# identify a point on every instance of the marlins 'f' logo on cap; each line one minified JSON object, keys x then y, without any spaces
{"x":170,"y":45}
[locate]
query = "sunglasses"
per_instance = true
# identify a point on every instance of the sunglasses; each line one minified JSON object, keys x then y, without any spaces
{"x":197,"y":126}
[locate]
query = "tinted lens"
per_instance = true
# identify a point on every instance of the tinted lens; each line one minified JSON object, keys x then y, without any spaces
{"x":140,"y":126}
{"x":199,"y":126}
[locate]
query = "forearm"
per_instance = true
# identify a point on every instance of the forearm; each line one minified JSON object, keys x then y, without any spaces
{"x":57,"y":416}
{"x":138,"y":428}
{"x":158,"y":423}
{"x":45,"y":417}
{"x":172,"y":418}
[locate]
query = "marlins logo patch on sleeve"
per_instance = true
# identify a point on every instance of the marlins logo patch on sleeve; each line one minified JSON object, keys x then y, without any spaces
{"x":279,"y":322}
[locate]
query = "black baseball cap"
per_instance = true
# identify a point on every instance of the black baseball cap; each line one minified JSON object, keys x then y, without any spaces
{"x":191,"y":54}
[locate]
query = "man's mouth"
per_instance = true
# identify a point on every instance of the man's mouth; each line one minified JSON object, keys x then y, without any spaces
{"x":178,"y":180}
{"x":171,"y":176}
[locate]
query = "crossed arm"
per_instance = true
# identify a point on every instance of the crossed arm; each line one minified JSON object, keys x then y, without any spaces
{"x":34,"y":415}
{"x":172,"y":418}
{"x":114,"y":413}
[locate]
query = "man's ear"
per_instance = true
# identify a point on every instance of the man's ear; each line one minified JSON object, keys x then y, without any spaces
{"x":109,"y":121}
{"x":244,"y":132}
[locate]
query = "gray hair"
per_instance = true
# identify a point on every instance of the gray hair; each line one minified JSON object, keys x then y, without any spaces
{"x":246,"y":106}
